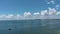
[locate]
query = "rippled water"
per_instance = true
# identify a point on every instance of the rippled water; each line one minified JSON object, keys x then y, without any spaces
{"x":38,"y":26}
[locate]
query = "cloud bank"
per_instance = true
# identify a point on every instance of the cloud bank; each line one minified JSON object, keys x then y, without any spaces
{"x":51,"y":13}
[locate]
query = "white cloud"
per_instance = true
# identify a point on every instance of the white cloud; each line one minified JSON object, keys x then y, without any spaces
{"x":51,"y":2}
{"x":18,"y":16}
{"x":57,"y":6}
{"x":52,"y":11}
{"x":48,"y":2}
{"x":2,"y":16}
{"x":36,"y":14}
{"x":27,"y":14}
{"x":44,"y":12}
{"x":58,"y":13}
{"x":10,"y":16}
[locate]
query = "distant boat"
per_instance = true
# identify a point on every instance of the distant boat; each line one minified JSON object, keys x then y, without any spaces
{"x":9,"y":29}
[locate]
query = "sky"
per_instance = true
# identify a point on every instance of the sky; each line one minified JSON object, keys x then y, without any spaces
{"x":27,"y":8}
{"x":21,"y":6}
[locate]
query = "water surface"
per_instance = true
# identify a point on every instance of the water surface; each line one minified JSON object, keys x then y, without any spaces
{"x":38,"y":26}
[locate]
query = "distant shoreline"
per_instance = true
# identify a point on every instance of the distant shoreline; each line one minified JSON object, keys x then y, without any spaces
{"x":30,"y":19}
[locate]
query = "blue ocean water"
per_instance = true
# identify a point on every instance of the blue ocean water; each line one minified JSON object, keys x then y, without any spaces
{"x":38,"y":26}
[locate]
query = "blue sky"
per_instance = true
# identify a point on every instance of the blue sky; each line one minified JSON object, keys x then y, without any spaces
{"x":21,"y":6}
